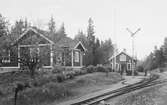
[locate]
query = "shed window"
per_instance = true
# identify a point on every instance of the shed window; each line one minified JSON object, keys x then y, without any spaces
{"x":76,"y":54}
{"x":117,"y":66}
{"x":122,"y":57}
{"x":129,"y":66}
{"x":6,"y":56}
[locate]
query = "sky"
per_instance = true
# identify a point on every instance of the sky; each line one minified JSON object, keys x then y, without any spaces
{"x":111,"y":18}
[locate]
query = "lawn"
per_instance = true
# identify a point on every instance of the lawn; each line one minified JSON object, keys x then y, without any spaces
{"x":46,"y":90}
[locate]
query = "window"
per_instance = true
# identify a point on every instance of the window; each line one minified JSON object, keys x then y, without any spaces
{"x":6,"y":56}
{"x":111,"y":65}
{"x":129,"y":66}
{"x":76,"y":56}
{"x":122,"y":57}
{"x":117,"y":66}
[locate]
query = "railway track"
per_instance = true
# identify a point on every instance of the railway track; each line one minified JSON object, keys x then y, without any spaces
{"x":153,"y":80}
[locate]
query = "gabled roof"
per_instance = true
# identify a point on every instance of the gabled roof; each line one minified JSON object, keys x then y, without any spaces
{"x":119,"y":54}
{"x":35,"y":31}
{"x":70,"y":43}
{"x":80,"y":43}
{"x":63,"y":42}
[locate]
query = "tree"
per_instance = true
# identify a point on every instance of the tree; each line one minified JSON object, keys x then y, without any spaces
{"x":51,"y":25}
{"x":106,"y":51}
{"x":3,"y":26}
{"x":97,"y":52}
{"x":159,"y":58}
{"x":81,"y":37}
{"x":4,"y":39}
{"x":31,"y":59}
{"x":164,"y":49}
{"x":18,"y":28}
{"x":91,"y":42}
{"x":60,"y":33}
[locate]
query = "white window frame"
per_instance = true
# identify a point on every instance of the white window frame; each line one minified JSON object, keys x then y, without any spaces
{"x":122,"y":57}
{"x":6,"y":59}
{"x":76,"y":56}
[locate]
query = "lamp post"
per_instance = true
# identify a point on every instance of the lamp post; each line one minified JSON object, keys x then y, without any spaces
{"x":132,"y":36}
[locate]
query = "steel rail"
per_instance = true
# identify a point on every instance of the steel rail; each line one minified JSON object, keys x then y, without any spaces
{"x":153,"y":80}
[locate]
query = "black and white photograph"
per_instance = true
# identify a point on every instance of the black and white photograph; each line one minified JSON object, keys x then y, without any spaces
{"x":83,"y":52}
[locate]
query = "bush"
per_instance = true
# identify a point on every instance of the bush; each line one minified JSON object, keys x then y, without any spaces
{"x":140,"y":69}
{"x":58,"y":69}
{"x":40,"y":81}
{"x":109,"y":68}
{"x":135,"y":73}
{"x":70,"y":75}
{"x":60,"y":77}
{"x":101,"y":68}
{"x":161,"y":70}
{"x":91,"y":69}
{"x":129,"y":73}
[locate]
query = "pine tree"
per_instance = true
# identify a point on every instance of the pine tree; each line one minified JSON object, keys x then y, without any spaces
{"x":90,"y":32}
{"x":4,"y":40}
{"x":18,"y":28}
{"x":51,"y":25}
{"x":81,"y":37}
{"x":3,"y":26}
{"x":91,"y":42}
{"x":62,"y":31}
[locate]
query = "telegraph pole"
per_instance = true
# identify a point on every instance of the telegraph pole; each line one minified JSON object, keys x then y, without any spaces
{"x":132,"y":36}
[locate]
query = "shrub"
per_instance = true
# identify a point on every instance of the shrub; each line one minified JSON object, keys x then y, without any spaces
{"x":58,"y":69}
{"x":60,"y":78}
{"x":100,"y":68}
{"x":140,"y":69}
{"x":70,"y":75}
{"x":91,"y":69}
{"x":130,"y":73}
{"x":161,"y":70}
{"x":135,"y":73}
{"x":40,"y":81}
{"x":109,"y":68}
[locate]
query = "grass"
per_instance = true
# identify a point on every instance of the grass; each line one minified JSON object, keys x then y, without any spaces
{"x":47,"y":90}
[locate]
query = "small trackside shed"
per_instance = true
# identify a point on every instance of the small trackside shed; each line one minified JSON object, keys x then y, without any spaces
{"x":122,"y":62}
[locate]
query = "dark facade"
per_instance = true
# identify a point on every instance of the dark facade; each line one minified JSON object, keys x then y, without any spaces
{"x":63,"y":52}
{"x":122,"y":62}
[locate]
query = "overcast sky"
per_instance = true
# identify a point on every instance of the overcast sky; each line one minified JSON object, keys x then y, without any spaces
{"x":111,"y":18}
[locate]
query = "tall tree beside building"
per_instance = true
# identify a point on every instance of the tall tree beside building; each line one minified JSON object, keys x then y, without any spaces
{"x":164,"y":47}
{"x":4,"y":40}
{"x":61,"y":33}
{"x":97,"y":55}
{"x":52,"y":25}
{"x":81,"y":37}
{"x":106,"y":51}
{"x":18,"y":28}
{"x":3,"y":26}
{"x":91,"y":42}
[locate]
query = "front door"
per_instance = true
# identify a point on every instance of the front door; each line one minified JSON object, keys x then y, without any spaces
{"x":123,"y":68}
